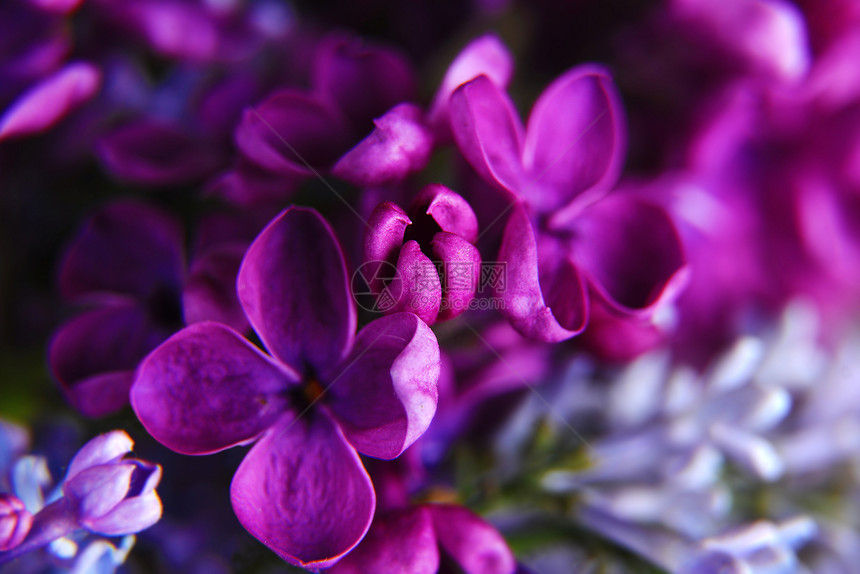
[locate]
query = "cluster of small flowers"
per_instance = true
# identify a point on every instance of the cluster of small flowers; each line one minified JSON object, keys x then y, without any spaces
{"x":433,"y":332}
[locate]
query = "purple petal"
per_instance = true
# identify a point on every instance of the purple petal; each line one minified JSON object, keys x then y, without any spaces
{"x":295,"y":291}
{"x":103,"y":449}
{"x":401,"y":542}
{"x":303,"y":492}
{"x":173,"y":29}
{"x":384,"y":395}
{"x":129,"y":516}
{"x":50,"y":100}
{"x":473,"y":543}
{"x":364,"y":80}
{"x":461,"y":271}
{"x":419,"y":289}
{"x":153,"y":153}
{"x":523,"y":295}
{"x":386,"y":228}
{"x":486,"y":55}
{"x":15,"y":521}
{"x":57,"y":6}
{"x":448,"y":209}
{"x":206,"y":389}
{"x":210,"y":291}
{"x":630,"y":251}
{"x":96,"y":490}
{"x":94,"y":355}
{"x":400,"y":144}
{"x":575,"y":139}
{"x":291,"y":133}
{"x":127,"y":247}
{"x":488,"y":132}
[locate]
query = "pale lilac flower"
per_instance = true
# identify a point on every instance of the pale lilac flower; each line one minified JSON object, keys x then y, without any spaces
{"x":322,"y":396}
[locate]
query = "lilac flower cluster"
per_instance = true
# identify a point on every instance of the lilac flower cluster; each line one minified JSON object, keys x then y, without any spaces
{"x":411,"y":329}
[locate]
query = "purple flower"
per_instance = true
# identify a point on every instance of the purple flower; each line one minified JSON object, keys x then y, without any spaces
{"x":103,"y":492}
{"x":15,"y":521}
{"x":417,"y":540}
{"x":566,"y":242}
{"x":301,"y":489}
{"x":441,"y":225}
{"x":128,"y":264}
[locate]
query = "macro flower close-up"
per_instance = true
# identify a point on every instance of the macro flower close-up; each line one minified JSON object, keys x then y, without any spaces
{"x":483,"y":287}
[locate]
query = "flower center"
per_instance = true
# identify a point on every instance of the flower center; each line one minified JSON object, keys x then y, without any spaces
{"x":313,"y":390}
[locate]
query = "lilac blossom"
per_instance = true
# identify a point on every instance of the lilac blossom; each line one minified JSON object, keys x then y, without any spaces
{"x":301,"y":489}
{"x":138,"y":300}
{"x":104,"y":493}
{"x":440,"y":228}
{"x":15,"y":521}
{"x":561,"y":240}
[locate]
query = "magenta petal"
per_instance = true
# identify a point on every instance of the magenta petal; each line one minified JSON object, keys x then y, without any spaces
{"x":386,"y":228}
{"x":50,"y":100}
{"x":486,"y":55}
{"x":144,"y":246}
{"x":419,"y":289}
{"x":448,"y":209}
{"x":461,"y":271}
{"x":57,"y":6}
{"x":575,"y":139}
{"x":96,"y":490}
{"x":210,"y":291}
{"x":94,"y":356}
{"x":630,"y":251}
{"x":400,"y":542}
{"x":364,"y":80}
{"x":400,"y":144}
{"x":385,"y":394}
{"x":475,"y":545}
{"x":524,"y":304}
{"x":152,"y":153}
{"x":295,"y":291}
{"x":103,"y":449}
{"x":206,"y":389}
{"x":488,"y":132}
{"x":291,"y":133}
{"x":129,"y":516}
{"x":303,"y":492}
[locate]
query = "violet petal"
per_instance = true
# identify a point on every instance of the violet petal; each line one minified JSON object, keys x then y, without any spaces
{"x":524,"y":304}
{"x":15,"y":521}
{"x":295,"y":291}
{"x":488,"y":132}
{"x":50,"y":100}
{"x":144,"y":246}
{"x":461,"y":271}
{"x":96,"y":490}
{"x":448,"y":209}
{"x":129,"y":516}
{"x":103,"y":449}
{"x":575,"y":140}
{"x":206,"y":389}
{"x":630,"y":251}
{"x":419,"y":289}
{"x":386,"y":228}
{"x":303,"y":492}
{"x":385,"y":394}
{"x":400,"y":542}
{"x":400,"y":144}
{"x":291,"y":133}
{"x":475,"y":545}
{"x":210,"y":291}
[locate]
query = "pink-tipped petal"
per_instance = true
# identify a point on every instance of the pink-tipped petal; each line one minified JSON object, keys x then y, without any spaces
{"x":400,"y":542}
{"x":295,"y":291}
{"x":488,"y":132}
{"x":522,"y":293}
{"x":303,"y":492}
{"x":400,"y":145}
{"x":50,"y":100}
{"x":448,"y":209}
{"x":206,"y":389}
{"x":385,"y":395}
{"x":576,"y":138}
